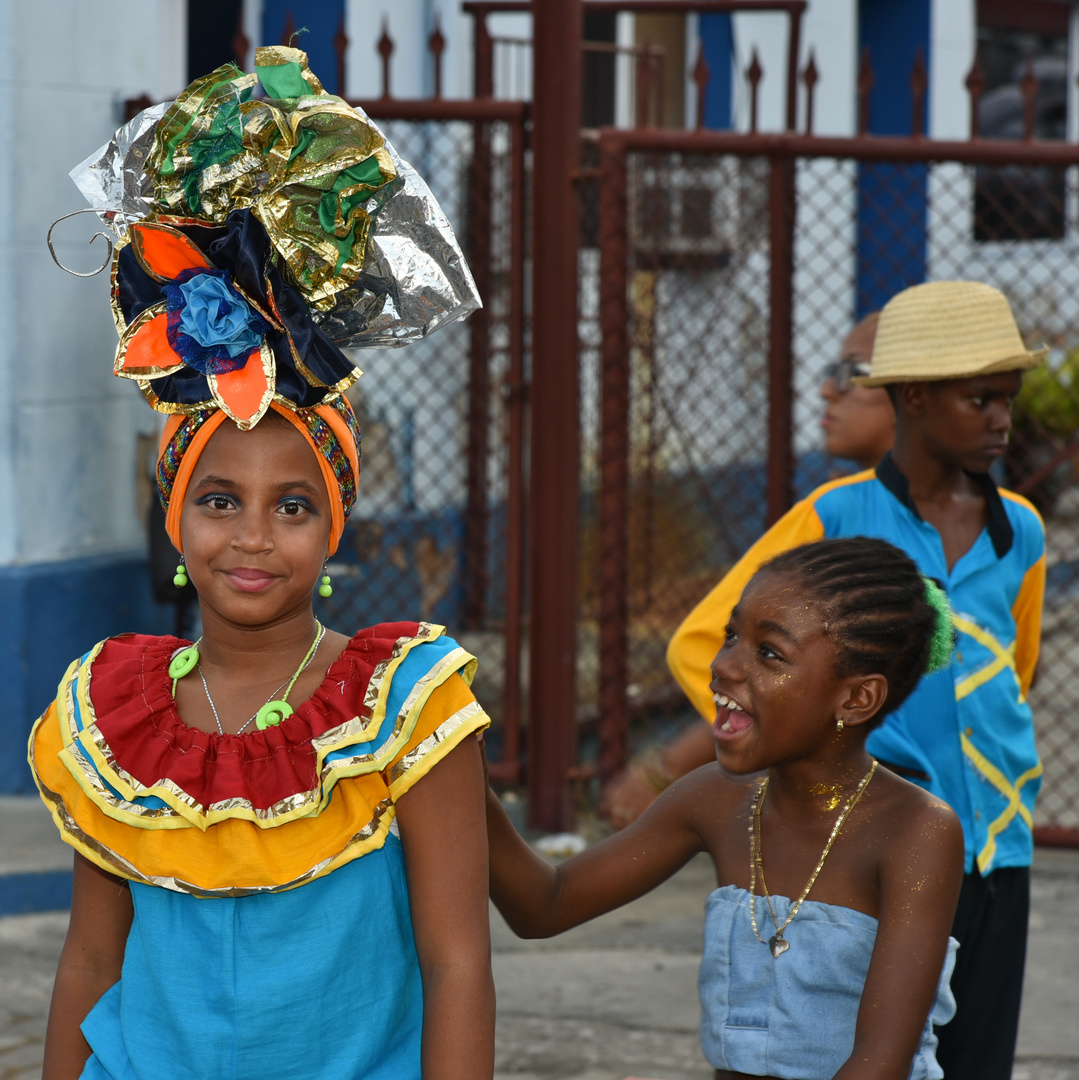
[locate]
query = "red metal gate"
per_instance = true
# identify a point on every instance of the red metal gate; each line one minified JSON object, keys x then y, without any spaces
{"x":685,"y":415}
{"x":680,"y":422}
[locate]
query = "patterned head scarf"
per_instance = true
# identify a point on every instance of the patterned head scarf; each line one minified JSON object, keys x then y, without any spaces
{"x":329,"y":429}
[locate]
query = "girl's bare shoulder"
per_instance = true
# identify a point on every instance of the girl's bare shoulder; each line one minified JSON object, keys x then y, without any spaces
{"x":914,"y":817}
{"x":709,"y":791}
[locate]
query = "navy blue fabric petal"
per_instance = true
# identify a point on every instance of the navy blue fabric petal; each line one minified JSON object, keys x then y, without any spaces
{"x":136,"y":290}
{"x":320,"y":355}
{"x":185,"y":387}
{"x":242,"y":248}
{"x":245,"y":250}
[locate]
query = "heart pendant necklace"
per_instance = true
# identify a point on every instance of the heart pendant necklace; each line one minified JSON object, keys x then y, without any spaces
{"x":777,"y":943}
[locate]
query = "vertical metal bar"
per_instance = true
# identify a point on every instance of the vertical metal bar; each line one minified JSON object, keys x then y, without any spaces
{"x":644,"y":87}
{"x":753,"y":77}
{"x":811,"y":78}
{"x":516,"y":391}
{"x":385,"y":50}
{"x":554,"y":475}
{"x":794,"y":46}
{"x":866,"y":79}
{"x":483,"y":79}
{"x":701,"y":76}
{"x":975,"y":84}
{"x":436,"y":45}
{"x":614,"y":463}
{"x":780,"y":366}
{"x":240,"y":43}
{"x":479,"y":381}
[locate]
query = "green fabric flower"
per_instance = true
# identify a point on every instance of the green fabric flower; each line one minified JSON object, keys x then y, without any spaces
{"x":307,"y":164}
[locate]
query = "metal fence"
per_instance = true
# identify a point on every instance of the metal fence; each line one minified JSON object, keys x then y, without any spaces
{"x":717,"y":275}
{"x":438,"y":529}
{"x":711,"y":241}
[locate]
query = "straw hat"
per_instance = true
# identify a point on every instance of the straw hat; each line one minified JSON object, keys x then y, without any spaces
{"x":947,"y":330}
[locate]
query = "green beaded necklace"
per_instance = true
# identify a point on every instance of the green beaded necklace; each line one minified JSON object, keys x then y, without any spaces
{"x":273,"y":712}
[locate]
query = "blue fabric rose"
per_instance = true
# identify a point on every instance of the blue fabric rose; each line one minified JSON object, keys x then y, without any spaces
{"x":211,"y":327}
{"x":216,"y":314}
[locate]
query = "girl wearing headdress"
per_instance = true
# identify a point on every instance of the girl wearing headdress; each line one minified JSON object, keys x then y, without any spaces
{"x":280,"y":852}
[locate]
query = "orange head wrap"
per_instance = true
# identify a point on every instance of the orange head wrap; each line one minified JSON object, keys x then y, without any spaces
{"x":330,"y":430}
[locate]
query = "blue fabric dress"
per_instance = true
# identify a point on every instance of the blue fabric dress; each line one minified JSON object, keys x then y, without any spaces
{"x":321,"y":981}
{"x":794,"y":1017}
{"x":272,"y":935}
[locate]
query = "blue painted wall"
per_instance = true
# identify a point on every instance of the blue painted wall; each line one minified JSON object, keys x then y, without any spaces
{"x":51,"y":613}
{"x":893,"y":200}
{"x":717,"y":43}
{"x":321,"y":18}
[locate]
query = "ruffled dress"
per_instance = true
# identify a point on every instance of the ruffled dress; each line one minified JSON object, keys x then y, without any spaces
{"x":271,"y":934}
{"x":794,"y":1016}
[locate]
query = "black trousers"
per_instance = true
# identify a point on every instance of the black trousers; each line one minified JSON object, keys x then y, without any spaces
{"x":991,"y":928}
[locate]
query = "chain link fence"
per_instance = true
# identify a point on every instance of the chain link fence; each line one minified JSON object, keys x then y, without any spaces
{"x":427,"y":538}
{"x":698,"y":275}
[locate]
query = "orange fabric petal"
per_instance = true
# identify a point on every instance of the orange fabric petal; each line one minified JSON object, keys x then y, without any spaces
{"x":245,"y":394}
{"x":144,"y":351}
{"x":163,"y":252}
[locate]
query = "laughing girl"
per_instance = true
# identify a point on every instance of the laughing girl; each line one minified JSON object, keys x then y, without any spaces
{"x":826,"y":943}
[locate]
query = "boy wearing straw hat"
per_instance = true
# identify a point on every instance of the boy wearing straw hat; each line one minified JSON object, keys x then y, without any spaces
{"x":951,"y":357}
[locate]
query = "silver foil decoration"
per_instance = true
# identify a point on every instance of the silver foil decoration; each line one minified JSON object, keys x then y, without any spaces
{"x":113,"y":179}
{"x":415,"y":277}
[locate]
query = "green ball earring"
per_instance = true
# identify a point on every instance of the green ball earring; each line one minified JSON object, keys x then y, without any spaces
{"x":325,"y":588}
{"x":180,"y":580}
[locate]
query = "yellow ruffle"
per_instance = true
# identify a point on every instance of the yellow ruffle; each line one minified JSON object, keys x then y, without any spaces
{"x":235,"y":856}
{"x":87,"y":756}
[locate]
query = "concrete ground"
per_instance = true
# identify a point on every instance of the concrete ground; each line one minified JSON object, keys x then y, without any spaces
{"x":612,"y":999}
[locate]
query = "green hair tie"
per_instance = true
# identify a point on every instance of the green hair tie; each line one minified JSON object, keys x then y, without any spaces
{"x":942,"y":643}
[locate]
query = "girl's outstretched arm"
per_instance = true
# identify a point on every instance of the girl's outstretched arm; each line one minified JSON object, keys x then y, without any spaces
{"x":920,"y":876}
{"x":445,"y":843}
{"x":538,"y":900}
{"x":90,"y":963}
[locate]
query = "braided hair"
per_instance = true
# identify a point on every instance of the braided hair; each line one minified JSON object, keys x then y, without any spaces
{"x":884,"y":615}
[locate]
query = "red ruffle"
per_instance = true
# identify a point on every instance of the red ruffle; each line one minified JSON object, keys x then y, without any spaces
{"x":131,"y":693}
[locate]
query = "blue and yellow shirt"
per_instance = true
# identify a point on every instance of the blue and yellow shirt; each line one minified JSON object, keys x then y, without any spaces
{"x":966,"y":733}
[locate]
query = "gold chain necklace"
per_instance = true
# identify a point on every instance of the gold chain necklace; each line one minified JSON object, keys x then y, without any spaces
{"x":778,"y":943}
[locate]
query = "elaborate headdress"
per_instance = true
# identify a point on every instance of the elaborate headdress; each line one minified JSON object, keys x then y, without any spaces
{"x":257,"y":236}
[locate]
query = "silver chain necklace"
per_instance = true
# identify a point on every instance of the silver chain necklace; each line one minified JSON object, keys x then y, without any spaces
{"x":304,"y":664}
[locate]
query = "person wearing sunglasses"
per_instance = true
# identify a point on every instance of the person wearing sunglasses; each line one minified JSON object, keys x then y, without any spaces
{"x":859,"y":426}
{"x":858,"y":421}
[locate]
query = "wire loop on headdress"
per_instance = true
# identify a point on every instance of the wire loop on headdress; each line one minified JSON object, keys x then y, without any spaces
{"x":104,"y":235}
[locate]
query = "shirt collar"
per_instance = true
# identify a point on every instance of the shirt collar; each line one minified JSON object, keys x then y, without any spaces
{"x":1000,"y":528}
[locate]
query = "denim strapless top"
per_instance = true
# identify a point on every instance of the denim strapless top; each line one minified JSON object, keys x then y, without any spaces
{"x":794,"y":1016}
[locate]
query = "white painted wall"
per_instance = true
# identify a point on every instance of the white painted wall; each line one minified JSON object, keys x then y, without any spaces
{"x":9,"y":531}
{"x":830,"y":30}
{"x":67,"y":426}
{"x":410,"y":24}
{"x":953,"y":34}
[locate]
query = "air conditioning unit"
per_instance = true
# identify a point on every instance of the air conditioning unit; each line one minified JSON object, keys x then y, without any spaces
{"x":684,"y":209}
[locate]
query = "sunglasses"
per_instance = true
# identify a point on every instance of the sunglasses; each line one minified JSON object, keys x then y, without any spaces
{"x":842,"y":372}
